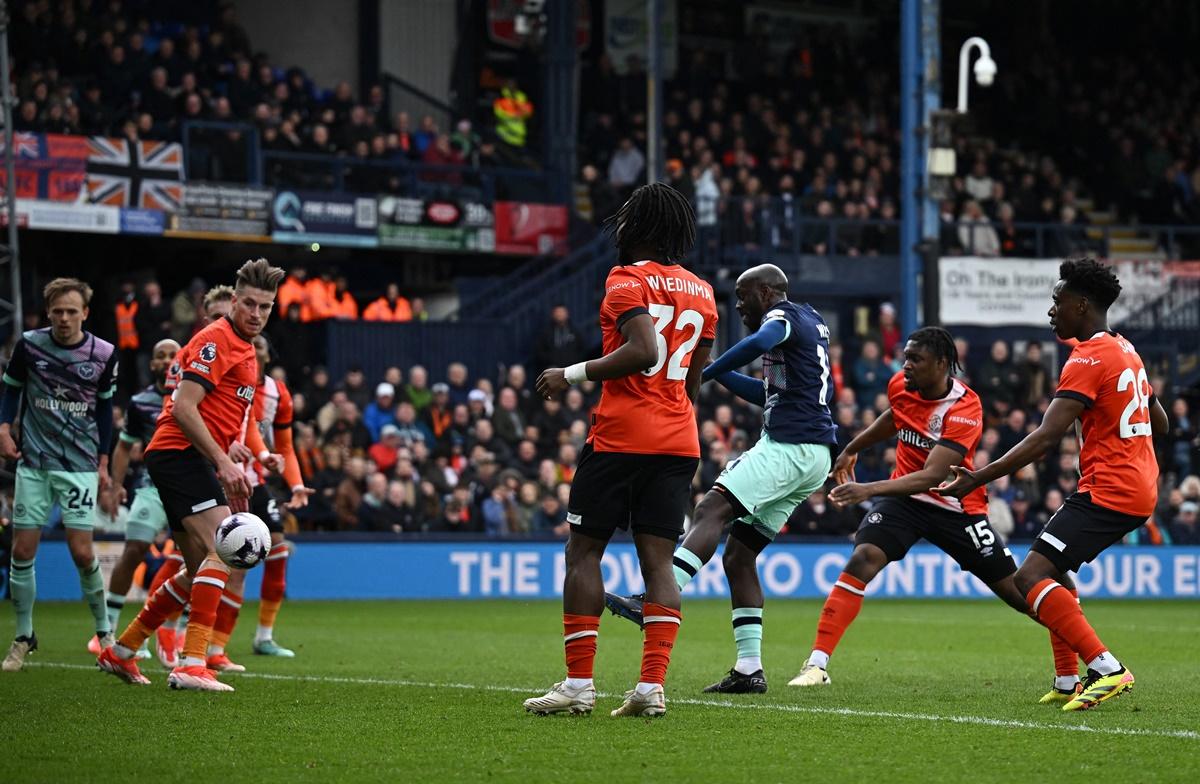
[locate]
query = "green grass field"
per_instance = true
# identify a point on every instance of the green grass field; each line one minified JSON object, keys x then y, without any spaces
{"x":424,"y":691}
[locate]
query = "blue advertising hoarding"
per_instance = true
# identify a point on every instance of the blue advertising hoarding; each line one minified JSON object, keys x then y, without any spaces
{"x":534,"y":570}
{"x":332,"y":218}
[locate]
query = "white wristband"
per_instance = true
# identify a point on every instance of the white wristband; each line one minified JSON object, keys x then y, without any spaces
{"x":297,"y":488}
{"x":263,"y":455}
{"x":576,"y":374}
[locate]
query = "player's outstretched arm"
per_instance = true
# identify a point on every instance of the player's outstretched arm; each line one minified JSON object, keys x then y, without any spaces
{"x":120,"y":463}
{"x":748,"y":388}
{"x":937,"y":466}
{"x":882,"y":429}
{"x":9,"y":406}
{"x":1059,"y":418}
{"x":187,"y":413}
{"x":639,"y":352}
{"x":749,"y":348}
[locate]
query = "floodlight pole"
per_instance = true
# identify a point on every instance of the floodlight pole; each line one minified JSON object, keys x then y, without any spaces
{"x":12,"y":251}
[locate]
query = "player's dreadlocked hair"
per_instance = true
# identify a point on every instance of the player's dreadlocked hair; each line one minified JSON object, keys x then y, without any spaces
{"x":1091,"y":279}
{"x":939,"y":342}
{"x":658,"y":217}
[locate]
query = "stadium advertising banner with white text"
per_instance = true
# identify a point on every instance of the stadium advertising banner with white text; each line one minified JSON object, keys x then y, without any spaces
{"x":996,"y":292}
{"x":436,"y":224}
{"x":339,"y":219}
{"x":534,"y":570}
{"x":223,"y":212}
{"x":57,"y":216}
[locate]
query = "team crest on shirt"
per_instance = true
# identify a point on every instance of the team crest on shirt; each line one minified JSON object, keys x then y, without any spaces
{"x":208,"y":352}
{"x":19,"y":510}
{"x":874,"y":518}
{"x":86,"y":371}
{"x":935,"y":424}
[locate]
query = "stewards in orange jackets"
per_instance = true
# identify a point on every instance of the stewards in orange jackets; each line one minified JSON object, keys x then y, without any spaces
{"x":320,"y":298}
{"x":342,"y":304}
{"x":391,"y":307}
{"x":292,"y":291}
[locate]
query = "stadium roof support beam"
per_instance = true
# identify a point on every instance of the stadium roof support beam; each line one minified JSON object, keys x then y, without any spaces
{"x":931,"y":96}
{"x":654,"y":92}
{"x":10,"y":309}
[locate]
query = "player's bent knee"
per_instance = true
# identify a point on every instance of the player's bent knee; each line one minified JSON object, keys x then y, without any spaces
{"x":866,"y":561}
{"x":713,"y":509}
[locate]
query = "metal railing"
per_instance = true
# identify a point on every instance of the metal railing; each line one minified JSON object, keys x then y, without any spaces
{"x":233,"y":152}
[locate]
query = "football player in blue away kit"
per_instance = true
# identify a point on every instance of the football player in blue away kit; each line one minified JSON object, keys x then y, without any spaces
{"x":758,"y":491}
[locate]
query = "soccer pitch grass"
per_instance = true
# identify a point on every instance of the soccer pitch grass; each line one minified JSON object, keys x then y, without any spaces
{"x":427,"y":691}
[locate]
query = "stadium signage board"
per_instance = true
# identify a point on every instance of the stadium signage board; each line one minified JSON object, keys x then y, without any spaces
{"x":535,"y":570}
{"x":57,"y":216}
{"x":435,"y":224}
{"x":338,"y":219}
{"x":223,"y":212}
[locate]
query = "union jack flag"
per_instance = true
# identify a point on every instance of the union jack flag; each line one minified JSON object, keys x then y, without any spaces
{"x":25,"y":145}
{"x":135,"y":174}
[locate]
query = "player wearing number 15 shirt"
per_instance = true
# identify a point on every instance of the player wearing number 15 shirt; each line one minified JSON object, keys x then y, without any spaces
{"x":1104,"y":388}
{"x":658,"y":321}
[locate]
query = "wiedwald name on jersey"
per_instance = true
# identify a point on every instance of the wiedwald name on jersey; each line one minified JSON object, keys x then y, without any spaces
{"x":660,"y":283}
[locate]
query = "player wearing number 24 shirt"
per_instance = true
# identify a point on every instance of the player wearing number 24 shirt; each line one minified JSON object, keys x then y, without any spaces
{"x":658,"y":321}
{"x":1104,"y":388}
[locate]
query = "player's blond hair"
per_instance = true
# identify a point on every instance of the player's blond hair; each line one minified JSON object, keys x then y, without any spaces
{"x":259,"y":274}
{"x":59,"y":286}
{"x":218,"y":294}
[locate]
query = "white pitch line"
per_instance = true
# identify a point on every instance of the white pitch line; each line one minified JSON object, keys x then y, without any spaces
{"x":850,"y":712}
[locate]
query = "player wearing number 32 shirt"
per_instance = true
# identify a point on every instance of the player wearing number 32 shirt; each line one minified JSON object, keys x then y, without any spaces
{"x":658,"y":321}
{"x":1104,"y":387}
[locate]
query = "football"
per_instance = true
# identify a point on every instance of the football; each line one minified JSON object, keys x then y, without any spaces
{"x":242,"y":540}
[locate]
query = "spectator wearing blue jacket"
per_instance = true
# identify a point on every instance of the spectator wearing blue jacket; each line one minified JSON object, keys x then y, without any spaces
{"x":379,"y":412}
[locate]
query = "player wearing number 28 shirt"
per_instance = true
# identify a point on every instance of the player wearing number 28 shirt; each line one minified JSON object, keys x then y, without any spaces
{"x":1104,"y":388}
{"x":658,"y":321}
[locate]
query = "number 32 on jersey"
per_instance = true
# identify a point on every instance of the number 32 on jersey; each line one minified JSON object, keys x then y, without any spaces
{"x":664,"y":319}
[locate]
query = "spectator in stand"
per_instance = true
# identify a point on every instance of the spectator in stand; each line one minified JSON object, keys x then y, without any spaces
{"x":349,"y":495}
{"x":355,"y":387}
{"x":153,"y":321}
{"x":380,"y":412}
{"x":508,"y":419}
{"x":560,"y":342}
{"x":187,"y":311}
{"x":419,"y":313}
{"x":499,"y":511}
{"x":975,"y":232}
{"x":551,"y":516}
{"x":390,"y":307}
{"x":998,"y":380}
{"x":456,"y":384}
{"x":372,"y":513}
{"x":601,"y":193}
{"x":1184,"y":529}
{"x":871,"y":374}
{"x":1036,"y":384}
{"x":417,"y":390}
{"x":319,"y":293}
{"x":889,"y":332}
{"x":410,"y":428}
{"x":627,"y":167}
{"x":439,"y":415}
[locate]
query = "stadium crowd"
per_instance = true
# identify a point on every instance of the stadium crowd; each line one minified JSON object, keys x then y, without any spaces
{"x":425,"y":450}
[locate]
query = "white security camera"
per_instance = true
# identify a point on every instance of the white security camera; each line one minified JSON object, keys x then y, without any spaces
{"x":985,"y":71}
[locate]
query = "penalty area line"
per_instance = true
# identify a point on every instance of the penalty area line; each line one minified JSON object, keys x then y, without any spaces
{"x":982,"y":721}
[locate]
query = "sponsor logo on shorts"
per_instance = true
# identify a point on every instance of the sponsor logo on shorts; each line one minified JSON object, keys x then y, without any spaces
{"x":208,"y":352}
{"x":19,"y":510}
{"x":86,"y":371}
{"x":574,"y":519}
{"x":986,"y":552}
{"x":874,"y":518}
